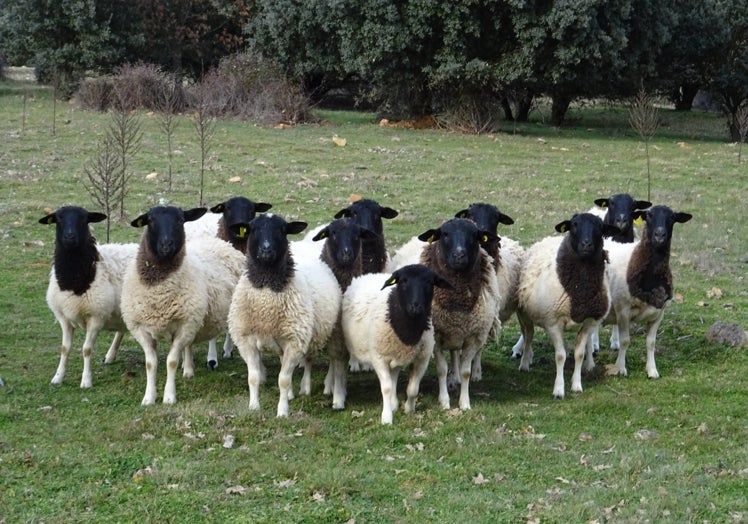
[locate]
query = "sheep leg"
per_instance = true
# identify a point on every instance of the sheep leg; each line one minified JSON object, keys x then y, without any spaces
{"x":476,"y":373}
{"x":111,"y":354}
{"x":468,"y":354}
{"x":555,"y":333}
{"x":228,"y":346}
{"x":67,"y":342}
{"x":595,"y":341}
{"x":151,"y":366}
{"x":188,"y":363}
{"x":385,"y":385}
{"x":417,"y":370}
{"x":178,"y":347}
{"x":305,"y":389}
{"x":528,"y":331}
{"x":615,"y":343}
{"x":92,"y":332}
{"x":517,"y":348}
{"x":251,"y":355}
{"x":441,"y":375}
{"x":329,"y":379}
{"x":212,"y":354}
{"x":624,"y":339}
{"x":394,"y":404}
{"x":340,"y":383}
{"x":290,"y":359}
{"x":652,"y":328}
{"x":582,"y":354}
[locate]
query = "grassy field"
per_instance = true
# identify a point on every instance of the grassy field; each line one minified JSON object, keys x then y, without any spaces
{"x":626,"y":450}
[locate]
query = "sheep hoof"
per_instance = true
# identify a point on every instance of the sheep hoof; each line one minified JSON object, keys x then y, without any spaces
{"x":213,"y":365}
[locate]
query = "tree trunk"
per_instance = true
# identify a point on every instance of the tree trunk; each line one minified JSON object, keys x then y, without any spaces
{"x":683,"y":97}
{"x":559,"y":107}
{"x":507,"y":108}
{"x":524,"y":104}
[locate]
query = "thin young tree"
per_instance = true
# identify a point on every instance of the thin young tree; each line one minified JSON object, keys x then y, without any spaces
{"x":125,"y":131}
{"x":741,"y":124}
{"x":105,"y":183}
{"x":205,"y":127}
{"x":169,"y":104}
{"x":644,"y":118}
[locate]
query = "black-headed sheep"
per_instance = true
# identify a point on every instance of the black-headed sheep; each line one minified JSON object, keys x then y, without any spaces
{"x":85,"y":285}
{"x":176,"y":291}
{"x":641,"y":281}
{"x":391,"y":329}
{"x":280,"y":305}
{"x":563,"y":285}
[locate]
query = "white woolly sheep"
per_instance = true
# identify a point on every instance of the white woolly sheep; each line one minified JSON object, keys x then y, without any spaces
{"x":617,"y":210}
{"x":341,"y":251}
{"x":507,"y":255}
{"x":641,"y":281}
{"x":85,"y":285}
{"x":392,"y":329}
{"x":176,"y":291}
{"x":280,"y":305}
{"x":217,"y":223}
{"x":563,"y":286}
{"x":464,"y":315}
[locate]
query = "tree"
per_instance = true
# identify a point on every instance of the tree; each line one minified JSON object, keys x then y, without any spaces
{"x":688,"y":61}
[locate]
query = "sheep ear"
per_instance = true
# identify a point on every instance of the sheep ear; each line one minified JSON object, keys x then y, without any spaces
{"x":49,"y":219}
{"x":218,"y":208}
{"x":506,"y":219}
{"x":638,"y":217}
{"x":682,"y":217}
{"x":430,"y":236}
{"x":194,"y":214}
{"x":602,"y":202}
{"x":390,"y":281}
{"x":96,"y":217}
{"x":293,"y":228}
{"x":141,"y":221}
{"x":323,"y":233}
{"x":642,"y":204}
{"x":343,"y":213}
{"x":261,"y":207}
{"x":564,"y":226}
{"x":462,"y":214}
{"x":388,"y":212}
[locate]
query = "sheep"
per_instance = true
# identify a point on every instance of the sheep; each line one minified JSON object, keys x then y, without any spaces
{"x":235,"y":210}
{"x":85,"y":284}
{"x":369,"y":214}
{"x":176,"y":290}
{"x":392,"y":329}
{"x":641,"y":281}
{"x":280,"y":305}
{"x":507,"y":257}
{"x":341,"y":251}
{"x":617,"y":210}
{"x":563,"y":286}
{"x":464,"y":315}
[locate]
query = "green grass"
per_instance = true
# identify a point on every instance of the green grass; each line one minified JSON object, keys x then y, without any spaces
{"x":72,"y":455}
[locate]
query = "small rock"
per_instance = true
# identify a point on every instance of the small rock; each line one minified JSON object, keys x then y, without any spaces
{"x":732,"y":335}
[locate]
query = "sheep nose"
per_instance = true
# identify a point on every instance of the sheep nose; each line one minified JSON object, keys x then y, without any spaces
{"x":621,"y":223}
{"x":415,"y":308}
{"x":659,"y":235}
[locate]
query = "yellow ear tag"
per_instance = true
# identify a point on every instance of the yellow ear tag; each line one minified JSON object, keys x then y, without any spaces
{"x":484,"y":239}
{"x":462,"y":215}
{"x":242,"y":232}
{"x":564,"y":229}
{"x":392,"y":281}
{"x":639,"y":221}
{"x":141,"y":223}
{"x":431,"y":239}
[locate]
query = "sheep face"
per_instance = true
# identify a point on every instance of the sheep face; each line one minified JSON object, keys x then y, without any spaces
{"x":268,"y":242}
{"x":343,"y":240}
{"x":72,"y":225}
{"x":460,"y":242}
{"x":165,"y":234}
{"x":238,"y":210}
{"x":486,"y":216}
{"x":415,"y":288}
{"x":659,"y":221}
{"x":620,"y":212}
{"x":585,"y":234}
{"x":368,"y":214}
